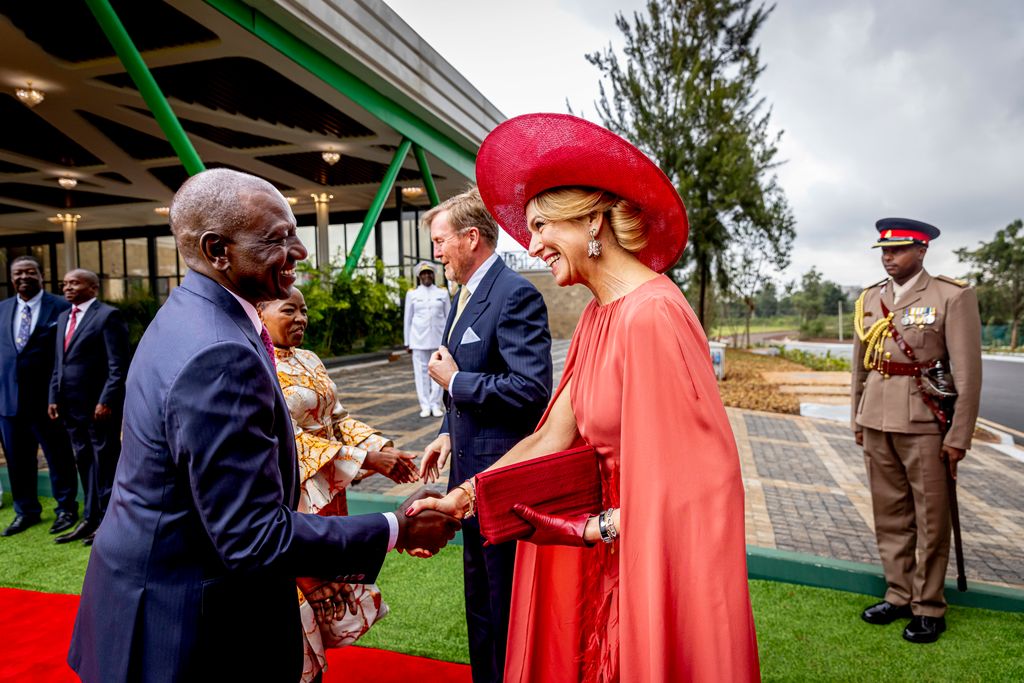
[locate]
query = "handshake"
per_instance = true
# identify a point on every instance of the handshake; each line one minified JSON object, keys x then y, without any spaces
{"x":425,"y":533}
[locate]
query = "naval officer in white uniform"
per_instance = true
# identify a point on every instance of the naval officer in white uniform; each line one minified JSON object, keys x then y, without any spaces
{"x":426,"y":310}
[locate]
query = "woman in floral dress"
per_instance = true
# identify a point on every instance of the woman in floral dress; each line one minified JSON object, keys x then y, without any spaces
{"x":333,"y":450}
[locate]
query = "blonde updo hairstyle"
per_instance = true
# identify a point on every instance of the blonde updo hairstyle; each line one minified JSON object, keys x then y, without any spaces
{"x":578,"y":203}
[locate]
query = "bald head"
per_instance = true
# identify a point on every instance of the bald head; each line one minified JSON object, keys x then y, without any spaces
{"x":80,"y":285}
{"x":217,"y":200}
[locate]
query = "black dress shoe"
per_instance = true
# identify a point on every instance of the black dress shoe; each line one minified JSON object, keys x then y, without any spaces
{"x":87,"y":541}
{"x":885,"y":613}
{"x":924,"y":629}
{"x":19,"y":524}
{"x":84,"y":529}
{"x":64,"y":521}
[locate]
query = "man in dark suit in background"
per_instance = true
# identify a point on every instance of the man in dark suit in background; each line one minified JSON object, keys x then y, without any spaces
{"x":192,"y":575}
{"x":495,"y":368}
{"x":87,"y":391}
{"x":28,"y":330}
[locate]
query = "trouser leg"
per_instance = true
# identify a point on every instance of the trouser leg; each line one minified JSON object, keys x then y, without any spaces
{"x":893,"y":507}
{"x":85,"y":461}
{"x":53,"y":438}
{"x":926,"y":473}
{"x":488,"y":586}
{"x":21,"y":448}
{"x":107,"y":446}
{"x":420,"y":358}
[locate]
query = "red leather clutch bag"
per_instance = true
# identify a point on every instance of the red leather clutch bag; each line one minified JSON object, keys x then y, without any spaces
{"x":563,"y":483}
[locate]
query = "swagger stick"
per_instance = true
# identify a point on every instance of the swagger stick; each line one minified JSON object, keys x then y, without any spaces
{"x":954,"y":512}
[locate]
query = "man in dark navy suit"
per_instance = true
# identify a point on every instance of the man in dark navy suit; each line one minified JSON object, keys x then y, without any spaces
{"x":87,"y":392}
{"x":193,"y":571}
{"x":495,"y":367}
{"x":28,"y":329}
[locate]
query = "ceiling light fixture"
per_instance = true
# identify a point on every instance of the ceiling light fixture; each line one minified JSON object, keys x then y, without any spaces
{"x":412,"y":192}
{"x":330,"y":157}
{"x":292,"y":200}
{"x":67,"y":183}
{"x":163,"y":210}
{"x":30,"y":96}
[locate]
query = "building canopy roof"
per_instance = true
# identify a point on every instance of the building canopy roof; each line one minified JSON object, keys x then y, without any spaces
{"x":263,"y":87}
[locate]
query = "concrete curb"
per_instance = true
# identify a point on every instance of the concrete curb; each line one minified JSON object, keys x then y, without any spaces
{"x":798,"y":568}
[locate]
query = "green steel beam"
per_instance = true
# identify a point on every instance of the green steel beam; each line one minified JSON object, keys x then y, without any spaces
{"x":144,"y":81}
{"x":428,"y":180}
{"x":348,"y":84}
{"x":377,"y":205}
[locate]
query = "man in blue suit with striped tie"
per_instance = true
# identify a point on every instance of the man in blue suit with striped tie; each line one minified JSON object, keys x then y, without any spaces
{"x":193,"y":571}
{"x":495,"y":368}
{"x":28,"y":333}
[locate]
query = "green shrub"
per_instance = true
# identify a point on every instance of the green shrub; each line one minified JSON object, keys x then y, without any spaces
{"x":828,"y":362}
{"x":352,"y":314}
{"x":812,"y":329}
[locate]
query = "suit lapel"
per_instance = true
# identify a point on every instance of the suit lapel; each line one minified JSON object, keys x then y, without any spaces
{"x":478,"y":303}
{"x":81,"y":325}
{"x":288,"y":462}
{"x":916,"y":293}
{"x":8,"y":319}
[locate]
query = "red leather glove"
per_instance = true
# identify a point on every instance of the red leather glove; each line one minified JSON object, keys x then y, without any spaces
{"x":552,"y":529}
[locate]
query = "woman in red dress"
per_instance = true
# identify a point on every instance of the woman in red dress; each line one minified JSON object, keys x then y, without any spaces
{"x":654,"y":589}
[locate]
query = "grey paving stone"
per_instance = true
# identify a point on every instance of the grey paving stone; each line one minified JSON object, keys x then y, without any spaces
{"x":773,"y":428}
{"x":794,"y":463}
{"x":822,"y":524}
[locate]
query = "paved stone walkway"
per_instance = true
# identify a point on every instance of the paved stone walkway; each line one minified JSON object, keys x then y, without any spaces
{"x":805,"y":480}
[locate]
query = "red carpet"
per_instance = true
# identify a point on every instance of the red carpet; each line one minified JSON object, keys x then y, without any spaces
{"x":35,"y":631}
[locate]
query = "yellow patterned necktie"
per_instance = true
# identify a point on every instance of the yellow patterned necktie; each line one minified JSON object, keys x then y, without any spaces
{"x":459,"y":308}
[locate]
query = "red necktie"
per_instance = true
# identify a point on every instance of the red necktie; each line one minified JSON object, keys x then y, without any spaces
{"x":269,"y":344}
{"x":71,"y":328}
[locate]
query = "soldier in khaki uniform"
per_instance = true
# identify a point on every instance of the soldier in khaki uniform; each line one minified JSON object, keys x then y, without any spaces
{"x":905,"y":323}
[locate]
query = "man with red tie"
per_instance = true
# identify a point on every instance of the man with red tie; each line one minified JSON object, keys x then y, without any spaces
{"x":87,"y":391}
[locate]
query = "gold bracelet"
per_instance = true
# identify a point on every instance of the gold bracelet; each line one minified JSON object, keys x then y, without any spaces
{"x":470,"y":490}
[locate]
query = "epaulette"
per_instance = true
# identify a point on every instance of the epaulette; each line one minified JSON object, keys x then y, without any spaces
{"x":953,"y":281}
{"x":877,"y":284}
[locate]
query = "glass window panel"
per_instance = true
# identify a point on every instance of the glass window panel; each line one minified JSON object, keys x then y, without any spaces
{"x":137,"y":254}
{"x":112,"y":289}
{"x":166,"y":257}
{"x":307,"y":235}
{"x":113,"y":258}
{"x":59,"y":275}
{"x":89,"y":256}
{"x":389,"y":233}
{"x":337,"y":244}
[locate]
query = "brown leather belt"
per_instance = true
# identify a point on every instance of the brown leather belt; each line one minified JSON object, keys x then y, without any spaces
{"x":888,"y":368}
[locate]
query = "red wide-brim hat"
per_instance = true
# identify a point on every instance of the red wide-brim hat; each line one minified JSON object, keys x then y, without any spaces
{"x":529,"y":154}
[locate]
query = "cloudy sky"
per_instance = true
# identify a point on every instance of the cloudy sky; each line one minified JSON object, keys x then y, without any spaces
{"x":911,"y":108}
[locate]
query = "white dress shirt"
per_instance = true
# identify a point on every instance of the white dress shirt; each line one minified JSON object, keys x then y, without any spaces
{"x":82,"y":308}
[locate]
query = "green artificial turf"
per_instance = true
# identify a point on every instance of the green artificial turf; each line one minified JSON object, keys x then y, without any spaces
{"x":814,"y":634}
{"x":804,"y":634}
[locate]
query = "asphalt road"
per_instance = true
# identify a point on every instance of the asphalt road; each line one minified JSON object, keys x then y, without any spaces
{"x":1002,"y":393}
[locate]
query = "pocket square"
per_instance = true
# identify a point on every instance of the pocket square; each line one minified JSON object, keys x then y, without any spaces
{"x":469,"y":336}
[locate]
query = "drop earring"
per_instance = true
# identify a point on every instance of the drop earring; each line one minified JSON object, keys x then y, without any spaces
{"x":594,"y":245}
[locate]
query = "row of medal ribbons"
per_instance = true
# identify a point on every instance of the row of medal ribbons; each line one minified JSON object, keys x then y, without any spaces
{"x":918,"y":315}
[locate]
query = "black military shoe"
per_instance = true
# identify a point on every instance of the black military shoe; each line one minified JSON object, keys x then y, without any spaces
{"x":19,"y":524}
{"x":64,"y":521}
{"x":84,"y":530}
{"x":924,"y":629}
{"x":885,"y":613}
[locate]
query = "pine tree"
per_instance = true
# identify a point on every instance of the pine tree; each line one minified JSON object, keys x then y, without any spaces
{"x":685,"y":94}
